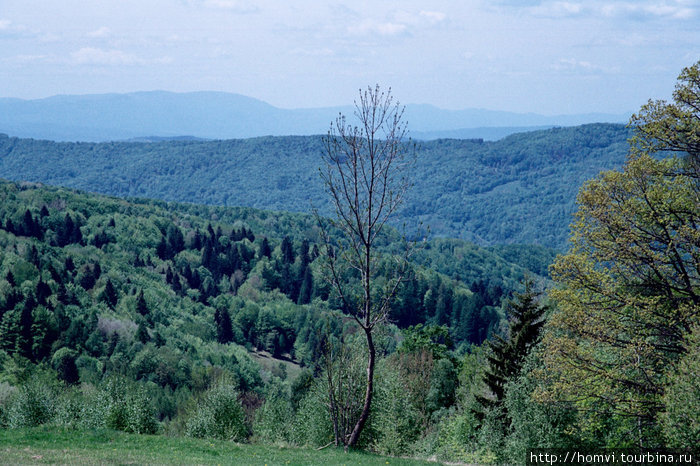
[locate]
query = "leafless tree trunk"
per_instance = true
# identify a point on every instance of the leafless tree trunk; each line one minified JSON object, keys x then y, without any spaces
{"x":366,"y":175}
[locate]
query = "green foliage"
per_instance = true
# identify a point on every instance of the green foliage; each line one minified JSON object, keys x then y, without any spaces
{"x":520,"y":189}
{"x":274,"y":420}
{"x":395,"y":421}
{"x":63,"y":361}
{"x":433,"y":338}
{"x":218,"y":414}
{"x":681,"y":417}
{"x":129,"y":408}
{"x":526,"y":318}
{"x":33,"y":404}
{"x":312,"y":425}
{"x":533,"y":423}
{"x":629,"y":287}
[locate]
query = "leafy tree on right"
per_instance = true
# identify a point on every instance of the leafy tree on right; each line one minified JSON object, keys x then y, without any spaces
{"x":629,"y":287}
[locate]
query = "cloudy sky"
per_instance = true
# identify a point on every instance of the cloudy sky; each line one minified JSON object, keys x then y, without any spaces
{"x":542,"y":56}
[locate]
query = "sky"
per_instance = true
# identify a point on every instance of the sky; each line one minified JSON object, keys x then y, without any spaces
{"x":541,"y":56}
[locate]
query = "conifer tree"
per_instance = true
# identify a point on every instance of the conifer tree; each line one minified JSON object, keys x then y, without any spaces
{"x":224,"y":328}
{"x":142,"y":334}
{"x":10,"y":278}
{"x":109,"y":294}
{"x":141,"y":305}
{"x":287,"y":250}
{"x":265,"y":250}
{"x":526,"y":317}
{"x":23,"y":344}
{"x":307,"y":286}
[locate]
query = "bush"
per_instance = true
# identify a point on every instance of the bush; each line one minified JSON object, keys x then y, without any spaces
{"x":394,"y":421}
{"x":63,"y":361}
{"x":32,"y":405}
{"x":84,"y":408}
{"x":312,"y":424}
{"x":128,"y":407}
{"x":6,"y":393}
{"x":218,"y":414}
{"x":274,"y":420}
{"x":533,"y":423}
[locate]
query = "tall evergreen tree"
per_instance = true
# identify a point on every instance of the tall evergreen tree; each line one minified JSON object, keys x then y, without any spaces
{"x":307,"y":286}
{"x":526,"y":317}
{"x":23,"y":344}
{"x":287,"y":250}
{"x":265,"y":250}
{"x":141,"y":305}
{"x":224,"y":328}
{"x":109,"y":294}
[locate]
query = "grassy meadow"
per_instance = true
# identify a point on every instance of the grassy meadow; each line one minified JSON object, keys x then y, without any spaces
{"x":50,"y":445}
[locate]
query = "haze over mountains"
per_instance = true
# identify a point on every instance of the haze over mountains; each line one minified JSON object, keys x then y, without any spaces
{"x":218,"y":115}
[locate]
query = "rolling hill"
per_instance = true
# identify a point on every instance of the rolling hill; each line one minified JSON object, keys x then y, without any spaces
{"x":520,"y":189}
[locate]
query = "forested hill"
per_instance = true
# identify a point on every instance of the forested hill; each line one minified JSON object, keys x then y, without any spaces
{"x":102,"y":276}
{"x":520,"y":189}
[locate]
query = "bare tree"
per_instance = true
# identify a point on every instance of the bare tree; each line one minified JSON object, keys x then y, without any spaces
{"x":366,"y":175}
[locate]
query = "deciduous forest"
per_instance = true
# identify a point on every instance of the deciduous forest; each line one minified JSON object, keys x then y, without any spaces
{"x":243,"y":317}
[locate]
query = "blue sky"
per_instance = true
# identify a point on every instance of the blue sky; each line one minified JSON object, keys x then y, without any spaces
{"x":541,"y":56}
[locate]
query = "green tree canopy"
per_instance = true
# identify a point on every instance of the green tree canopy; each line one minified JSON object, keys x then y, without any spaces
{"x":630,"y":284}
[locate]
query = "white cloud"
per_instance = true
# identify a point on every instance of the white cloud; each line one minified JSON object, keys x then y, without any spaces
{"x":95,"y":56}
{"x":650,"y":10}
{"x":558,"y":9}
{"x":615,"y":9}
{"x":8,"y":28}
{"x":100,"y":33}
{"x":25,"y":59}
{"x":372,"y":27}
{"x":433,"y":17}
{"x":397,"y":24}
{"x":573,"y":65}
{"x":111,"y":57}
{"x":322,"y":52}
{"x":232,"y":5}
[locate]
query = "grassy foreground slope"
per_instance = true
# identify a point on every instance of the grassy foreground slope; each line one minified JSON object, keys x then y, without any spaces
{"x":46,"y":445}
{"x":520,"y":189}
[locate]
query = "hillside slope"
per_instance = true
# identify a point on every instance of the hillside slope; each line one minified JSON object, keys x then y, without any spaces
{"x":520,"y":189}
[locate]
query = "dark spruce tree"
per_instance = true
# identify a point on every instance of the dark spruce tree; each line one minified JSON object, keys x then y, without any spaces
{"x":307,"y":287}
{"x":141,"y":305}
{"x":109,"y":294}
{"x":526,"y":317}
{"x":224,"y":328}
{"x":265,"y":250}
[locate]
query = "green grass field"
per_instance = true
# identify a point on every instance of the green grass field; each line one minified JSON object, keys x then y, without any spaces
{"x":50,"y":445}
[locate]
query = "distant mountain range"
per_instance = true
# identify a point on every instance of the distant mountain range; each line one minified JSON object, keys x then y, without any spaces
{"x":218,"y":115}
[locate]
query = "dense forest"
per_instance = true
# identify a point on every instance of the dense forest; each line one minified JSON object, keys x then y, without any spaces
{"x":149,"y":316}
{"x":171,"y":298}
{"x":518,"y":190}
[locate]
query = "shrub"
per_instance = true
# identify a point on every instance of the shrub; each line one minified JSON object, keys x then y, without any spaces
{"x":394,"y":421}
{"x":32,"y":405}
{"x":312,"y":424}
{"x":218,"y":414}
{"x":84,"y":408}
{"x":274,"y":420}
{"x":6,"y":393}
{"x":128,"y":407}
{"x":63,"y":361}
